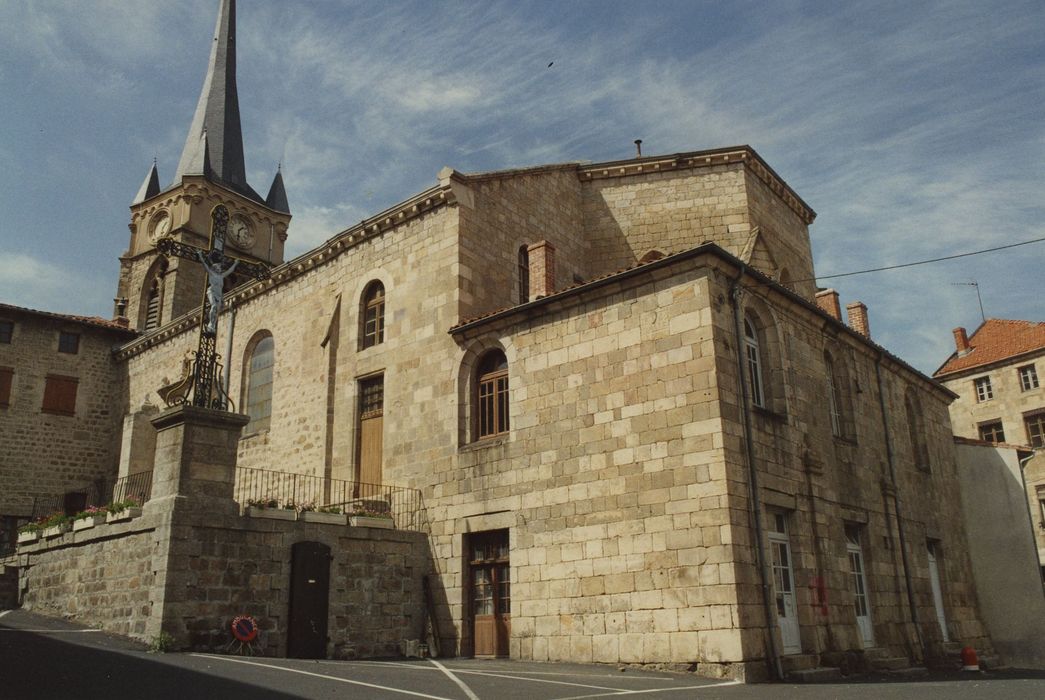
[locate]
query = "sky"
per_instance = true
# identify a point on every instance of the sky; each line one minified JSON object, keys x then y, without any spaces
{"x":914,"y":130}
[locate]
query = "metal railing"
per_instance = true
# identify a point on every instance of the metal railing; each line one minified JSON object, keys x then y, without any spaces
{"x":136,"y":487}
{"x":73,"y":500}
{"x":284,"y":489}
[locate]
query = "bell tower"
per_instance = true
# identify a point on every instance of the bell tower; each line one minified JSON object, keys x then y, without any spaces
{"x":152,"y":290}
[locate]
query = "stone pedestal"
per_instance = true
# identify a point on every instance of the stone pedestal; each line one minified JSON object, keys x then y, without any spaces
{"x":196,"y":458}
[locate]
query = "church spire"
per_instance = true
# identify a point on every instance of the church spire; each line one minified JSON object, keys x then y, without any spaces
{"x":150,"y":186}
{"x":216,"y":122}
{"x":277,"y":198}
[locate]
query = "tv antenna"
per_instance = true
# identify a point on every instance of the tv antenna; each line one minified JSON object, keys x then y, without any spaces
{"x":973,"y":283}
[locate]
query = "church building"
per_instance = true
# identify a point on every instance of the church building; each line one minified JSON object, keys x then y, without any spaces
{"x":610,"y":414}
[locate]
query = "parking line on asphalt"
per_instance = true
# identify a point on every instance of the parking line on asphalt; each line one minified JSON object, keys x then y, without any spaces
{"x":321,"y":675}
{"x":652,"y":690}
{"x":463,"y":686}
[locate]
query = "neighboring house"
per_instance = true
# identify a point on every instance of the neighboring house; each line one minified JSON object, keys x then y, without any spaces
{"x":998,"y":374}
{"x":641,"y":433}
{"x":62,"y":400}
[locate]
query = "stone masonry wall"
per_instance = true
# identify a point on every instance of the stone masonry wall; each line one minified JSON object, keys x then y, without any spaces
{"x":226,"y":566}
{"x":44,"y":454}
{"x":823,"y":482}
{"x":626,"y":217}
{"x":613,"y":475}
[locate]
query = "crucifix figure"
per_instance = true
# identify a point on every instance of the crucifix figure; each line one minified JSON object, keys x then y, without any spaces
{"x":218,"y":266}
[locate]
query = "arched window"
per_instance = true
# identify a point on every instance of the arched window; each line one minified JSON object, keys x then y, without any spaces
{"x":373,"y":315}
{"x":916,"y":430}
{"x":524,"y":274}
{"x":753,"y":358}
{"x":491,"y":399}
{"x":152,"y":306}
{"x":257,"y":402}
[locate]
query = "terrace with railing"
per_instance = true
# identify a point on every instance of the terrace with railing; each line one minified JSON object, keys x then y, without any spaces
{"x":305,"y":491}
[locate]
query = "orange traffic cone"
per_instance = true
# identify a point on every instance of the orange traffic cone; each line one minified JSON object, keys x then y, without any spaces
{"x":969,"y":660}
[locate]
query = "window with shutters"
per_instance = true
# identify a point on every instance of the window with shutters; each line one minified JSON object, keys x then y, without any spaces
{"x":152,"y":306}
{"x":60,"y":395}
{"x":6,"y":379}
{"x":371,"y":429}
{"x":373,"y":316}
{"x":261,"y":360}
{"x":7,"y":329}
{"x":492,"y":395}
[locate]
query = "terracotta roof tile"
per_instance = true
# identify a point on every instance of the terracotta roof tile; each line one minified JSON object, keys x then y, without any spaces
{"x":995,"y":340}
{"x":86,"y":320}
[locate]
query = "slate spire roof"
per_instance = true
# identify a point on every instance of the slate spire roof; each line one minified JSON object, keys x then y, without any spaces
{"x":216,"y":124}
{"x":150,"y":186}
{"x":277,"y":197}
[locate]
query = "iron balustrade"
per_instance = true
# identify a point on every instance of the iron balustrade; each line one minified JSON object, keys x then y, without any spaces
{"x":309,"y":492}
{"x":136,"y":487}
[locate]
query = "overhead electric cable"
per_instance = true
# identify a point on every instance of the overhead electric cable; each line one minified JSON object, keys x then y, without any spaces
{"x":921,"y":262}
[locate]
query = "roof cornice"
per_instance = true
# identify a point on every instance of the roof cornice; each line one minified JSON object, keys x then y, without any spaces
{"x":703,"y":159}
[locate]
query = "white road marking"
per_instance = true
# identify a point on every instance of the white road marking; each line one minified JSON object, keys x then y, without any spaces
{"x":490,"y":674}
{"x":455,"y":679}
{"x":652,"y":690}
{"x":321,"y":675}
{"x":16,"y":629}
{"x":4,"y":613}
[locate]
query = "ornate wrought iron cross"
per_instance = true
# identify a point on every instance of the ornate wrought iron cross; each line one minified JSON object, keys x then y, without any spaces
{"x":206,"y":391}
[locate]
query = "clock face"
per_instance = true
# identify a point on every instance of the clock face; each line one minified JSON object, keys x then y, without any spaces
{"x":160,"y":226}
{"x":240,"y":233}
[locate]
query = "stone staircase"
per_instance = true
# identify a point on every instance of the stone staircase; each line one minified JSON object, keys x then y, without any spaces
{"x":806,"y":668}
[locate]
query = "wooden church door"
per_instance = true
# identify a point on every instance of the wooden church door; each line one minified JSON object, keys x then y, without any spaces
{"x":371,"y":428}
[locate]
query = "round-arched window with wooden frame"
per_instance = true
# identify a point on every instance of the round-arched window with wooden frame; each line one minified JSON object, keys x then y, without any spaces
{"x":259,"y":366}
{"x":492,"y":395}
{"x":373,"y":315}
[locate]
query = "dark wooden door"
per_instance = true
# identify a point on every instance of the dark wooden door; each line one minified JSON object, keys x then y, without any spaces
{"x":309,"y":600}
{"x":490,"y":578}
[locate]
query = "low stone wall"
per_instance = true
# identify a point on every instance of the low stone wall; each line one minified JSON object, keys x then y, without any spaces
{"x":101,"y":577}
{"x":189,"y":579}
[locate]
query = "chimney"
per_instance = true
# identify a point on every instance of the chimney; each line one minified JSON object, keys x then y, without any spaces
{"x":857,"y":312}
{"x":961,"y":341}
{"x":542,"y":269}
{"x":827,"y":300}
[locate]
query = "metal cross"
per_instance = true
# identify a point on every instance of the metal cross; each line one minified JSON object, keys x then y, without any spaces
{"x":218,"y":266}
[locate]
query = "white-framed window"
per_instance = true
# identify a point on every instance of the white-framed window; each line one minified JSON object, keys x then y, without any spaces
{"x":1028,"y":378}
{"x":754,"y":365}
{"x":984,"y":390}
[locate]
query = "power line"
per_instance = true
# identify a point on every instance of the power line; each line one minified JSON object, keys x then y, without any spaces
{"x":921,"y":262}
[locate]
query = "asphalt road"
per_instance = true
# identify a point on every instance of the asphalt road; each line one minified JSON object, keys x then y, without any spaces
{"x":53,"y":660}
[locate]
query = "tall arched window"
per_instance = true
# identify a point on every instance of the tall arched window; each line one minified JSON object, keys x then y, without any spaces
{"x":834,"y":401}
{"x":524,"y":274}
{"x":373,"y":331}
{"x":916,"y":430}
{"x":150,"y":312}
{"x":753,"y":357}
{"x":257,"y":402}
{"x":492,"y":395}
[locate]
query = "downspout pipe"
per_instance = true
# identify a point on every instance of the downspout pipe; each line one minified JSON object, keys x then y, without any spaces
{"x":897,"y":505}
{"x":754,"y":499}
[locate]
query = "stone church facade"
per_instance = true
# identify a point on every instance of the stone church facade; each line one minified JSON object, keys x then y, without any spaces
{"x":639,"y":431}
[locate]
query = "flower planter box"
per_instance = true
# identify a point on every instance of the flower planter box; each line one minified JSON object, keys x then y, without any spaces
{"x":56,"y":530}
{"x":368,"y":521}
{"x":27,"y":537}
{"x":88,"y":523}
{"x":125,"y":514}
{"x":313,"y":516}
{"x":272,"y":513}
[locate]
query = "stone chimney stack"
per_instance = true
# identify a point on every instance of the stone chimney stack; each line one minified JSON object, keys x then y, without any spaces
{"x":827,"y":300}
{"x":961,"y":341}
{"x":542,"y":269}
{"x":857,"y":312}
